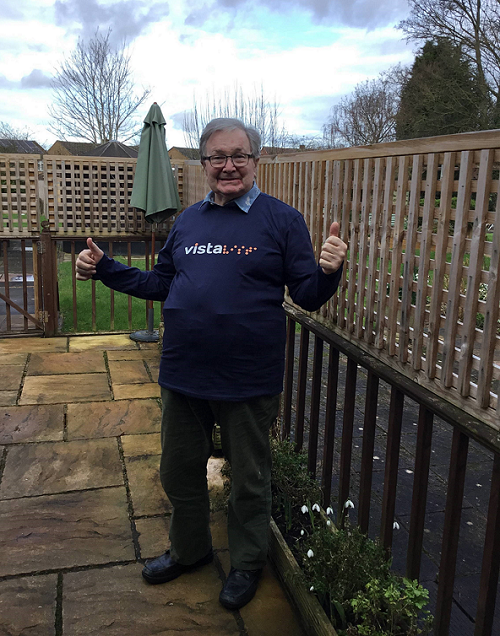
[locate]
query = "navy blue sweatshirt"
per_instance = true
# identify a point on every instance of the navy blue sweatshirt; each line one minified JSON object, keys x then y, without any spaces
{"x":222,"y":274}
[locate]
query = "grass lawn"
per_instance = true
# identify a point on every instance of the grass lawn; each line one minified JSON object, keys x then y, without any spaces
{"x":103,"y":304}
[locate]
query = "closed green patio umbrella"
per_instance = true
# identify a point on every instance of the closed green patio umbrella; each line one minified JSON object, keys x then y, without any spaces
{"x":154,"y":190}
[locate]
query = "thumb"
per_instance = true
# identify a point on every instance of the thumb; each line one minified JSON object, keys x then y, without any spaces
{"x":93,"y":247}
{"x":334,"y":229}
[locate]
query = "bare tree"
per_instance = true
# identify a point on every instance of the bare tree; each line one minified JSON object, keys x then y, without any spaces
{"x":472,"y":25}
{"x":254,"y":109}
{"x":94,"y":96}
{"x":11,"y":132}
{"x":367,"y":115}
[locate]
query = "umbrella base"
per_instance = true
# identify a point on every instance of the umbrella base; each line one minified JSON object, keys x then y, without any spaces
{"x":145,"y":336}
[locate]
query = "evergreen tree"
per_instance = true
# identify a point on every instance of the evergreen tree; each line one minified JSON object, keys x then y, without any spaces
{"x":441,"y":95}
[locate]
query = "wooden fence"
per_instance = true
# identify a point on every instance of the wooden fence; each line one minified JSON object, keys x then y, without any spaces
{"x":77,"y":195}
{"x":420,"y":286}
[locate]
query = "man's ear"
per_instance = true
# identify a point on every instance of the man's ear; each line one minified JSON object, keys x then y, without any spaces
{"x":256,"y":161}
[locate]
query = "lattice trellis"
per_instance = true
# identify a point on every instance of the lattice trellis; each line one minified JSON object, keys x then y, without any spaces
{"x":19,"y":194}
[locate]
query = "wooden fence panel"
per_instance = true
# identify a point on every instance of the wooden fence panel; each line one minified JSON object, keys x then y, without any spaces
{"x":19,"y":194}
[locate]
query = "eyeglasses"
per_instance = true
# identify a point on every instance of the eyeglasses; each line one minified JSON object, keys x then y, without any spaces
{"x":239,"y":159}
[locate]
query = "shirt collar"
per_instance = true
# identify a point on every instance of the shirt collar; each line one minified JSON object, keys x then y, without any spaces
{"x":244,"y":202}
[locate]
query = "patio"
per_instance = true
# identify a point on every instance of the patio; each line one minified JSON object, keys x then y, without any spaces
{"x":81,"y":505}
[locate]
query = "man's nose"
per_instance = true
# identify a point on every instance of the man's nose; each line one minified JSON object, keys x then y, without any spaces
{"x":229,"y":164}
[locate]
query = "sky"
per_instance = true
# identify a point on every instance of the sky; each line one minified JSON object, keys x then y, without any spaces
{"x":304,"y":54}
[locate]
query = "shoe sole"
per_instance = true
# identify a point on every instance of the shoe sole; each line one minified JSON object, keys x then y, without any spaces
{"x":155,"y":580}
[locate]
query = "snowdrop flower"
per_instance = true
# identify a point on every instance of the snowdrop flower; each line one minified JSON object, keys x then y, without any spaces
{"x":304,"y":509}
{"x":302,"y":533}
{"x":310,"y":554}
{"x":328,"y":523}
{"x":395,"y":525}
{"x":348,"y":504}
{"x":316,"y":507}
{"x":329,"y":511}
{"x":311,"y":589}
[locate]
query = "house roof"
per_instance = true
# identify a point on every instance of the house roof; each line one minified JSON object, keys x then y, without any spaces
{"x":21,"y":146}
{"x":112,"y":149}
{"x":74,"y":147}
{"x":190,"y":153}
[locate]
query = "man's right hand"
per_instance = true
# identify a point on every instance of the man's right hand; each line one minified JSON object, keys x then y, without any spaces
{"x":87,"y":261}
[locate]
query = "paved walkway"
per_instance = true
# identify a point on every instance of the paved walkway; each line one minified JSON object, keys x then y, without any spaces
{"x":81,"y":505}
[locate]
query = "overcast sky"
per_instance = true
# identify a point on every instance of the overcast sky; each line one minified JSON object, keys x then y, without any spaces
{"x":305,"y":53}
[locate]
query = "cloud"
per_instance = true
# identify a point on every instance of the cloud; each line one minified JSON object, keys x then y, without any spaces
{"x":127,"y":19}
{"x":355,"y":13}
{"x":36,"y":79}
{"x":7,"y":84}
{"x":177,"y":120}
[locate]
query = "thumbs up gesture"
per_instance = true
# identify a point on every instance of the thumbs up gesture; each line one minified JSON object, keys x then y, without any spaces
{"x":87,"y":261}
{"x":333,"y":252}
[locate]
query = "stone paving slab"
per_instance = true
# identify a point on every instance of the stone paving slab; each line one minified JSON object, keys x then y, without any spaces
{"x":62,"y":531}
{"x":84,"y":343}
{"x":10,"y":376}
{"x":56,"y":389}
{"x":133,"y":354}
{"x":117,"y":602}
{"x":31,"y":424}
{"x":134,"y":391}
{"x":110,"y":419}
{"x":153,"y":536}
{"x":128,"y":372}
{"x":14,"y":358}
{"x":137,"y":445}
{"x":56,"y":467}
{"x":28,"y":606}
{"x":30,"y":345}
{"x":8,"y":398}
{"x":269,"y":613}
{"x":63,"y":363}
{"x":148,"y":496}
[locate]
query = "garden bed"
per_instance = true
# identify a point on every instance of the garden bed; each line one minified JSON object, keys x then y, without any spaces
{"x":312,"y":616}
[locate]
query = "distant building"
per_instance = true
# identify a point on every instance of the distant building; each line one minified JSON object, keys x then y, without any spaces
{"x":113,"y":149}
{"x":21,"y":146}
{"x":191,"y":154}
{"x":61,"y":147}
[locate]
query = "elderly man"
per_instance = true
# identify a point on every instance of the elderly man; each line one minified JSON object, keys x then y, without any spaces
{"x":222,"y":275}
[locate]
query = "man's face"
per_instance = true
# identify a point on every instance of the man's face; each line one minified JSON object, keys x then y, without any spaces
{"x":229,"y":183}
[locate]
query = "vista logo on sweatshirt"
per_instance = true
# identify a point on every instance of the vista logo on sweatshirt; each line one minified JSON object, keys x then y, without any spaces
{"x":218,"y":249}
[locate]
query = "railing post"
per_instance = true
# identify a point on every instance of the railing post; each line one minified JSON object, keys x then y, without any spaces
{"x":49,"y":281}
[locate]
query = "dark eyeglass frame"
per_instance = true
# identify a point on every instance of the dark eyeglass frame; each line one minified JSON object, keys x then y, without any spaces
{"x":226,"y":157}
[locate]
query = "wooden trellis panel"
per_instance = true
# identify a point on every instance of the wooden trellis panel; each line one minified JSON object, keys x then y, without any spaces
{"x":19,"y":193}
{"x":92,"y":194}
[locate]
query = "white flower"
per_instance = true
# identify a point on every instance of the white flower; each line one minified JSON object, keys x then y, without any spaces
{"x":316,"y":507}
{"x":329,"y":511}
{"x":311,"y":589}
{"x":328,"y":523}
{"x":304,"y":509}
{"x":310,"y":554}
{"x":302,"y":533}
{"x":348,"y":504}
{"x":395,"y":525}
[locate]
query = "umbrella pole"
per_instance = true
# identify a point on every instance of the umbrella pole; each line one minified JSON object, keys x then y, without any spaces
{"x":151,"y":311}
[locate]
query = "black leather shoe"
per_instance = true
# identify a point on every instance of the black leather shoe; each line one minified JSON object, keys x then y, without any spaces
{"x":164,"y":568}
{"x":239,"y":588}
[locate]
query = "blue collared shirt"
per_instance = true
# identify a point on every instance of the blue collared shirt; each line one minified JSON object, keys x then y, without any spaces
{"x":244,"y":202}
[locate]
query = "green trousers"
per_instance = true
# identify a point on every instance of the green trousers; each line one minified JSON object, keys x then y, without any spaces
{"x":186,"y":436}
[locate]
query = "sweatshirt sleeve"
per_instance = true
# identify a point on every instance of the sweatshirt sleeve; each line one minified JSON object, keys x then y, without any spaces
{"x":151,"y":285}
{"x":308,"y":285}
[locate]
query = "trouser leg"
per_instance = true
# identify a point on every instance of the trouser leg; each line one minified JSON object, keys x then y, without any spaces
{"x":245,"y":442}
{"x":186,"y":436}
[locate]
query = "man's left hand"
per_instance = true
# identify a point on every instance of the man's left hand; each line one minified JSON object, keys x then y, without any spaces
{"x":333,"y":252}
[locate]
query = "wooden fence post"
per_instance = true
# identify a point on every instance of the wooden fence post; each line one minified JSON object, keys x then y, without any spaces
{"x":49,"y":281}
